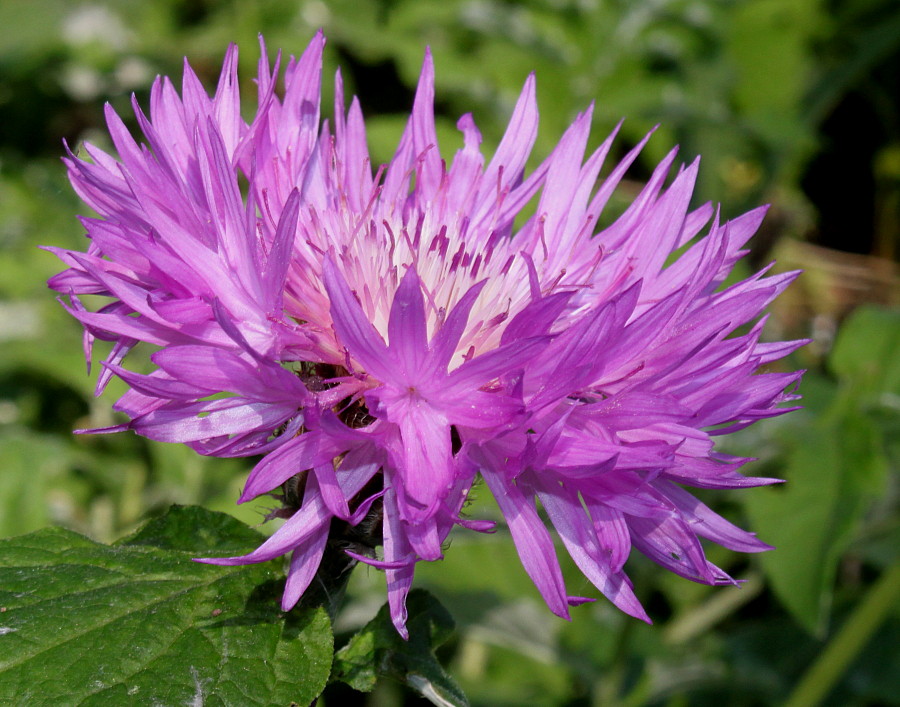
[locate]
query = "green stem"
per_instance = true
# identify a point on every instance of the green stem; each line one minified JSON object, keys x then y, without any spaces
{"x":849,"y":641}
{"x":718,"y":606}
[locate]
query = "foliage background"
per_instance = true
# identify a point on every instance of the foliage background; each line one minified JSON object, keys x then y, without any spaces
{"x":792,"y":103}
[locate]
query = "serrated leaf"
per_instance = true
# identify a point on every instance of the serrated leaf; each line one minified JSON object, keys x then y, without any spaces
{"x":195,"y":530}
{"x":379,"y":651}
{"x":83,"y":623}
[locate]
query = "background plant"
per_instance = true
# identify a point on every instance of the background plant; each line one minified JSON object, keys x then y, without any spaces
{"x":792,"y":103}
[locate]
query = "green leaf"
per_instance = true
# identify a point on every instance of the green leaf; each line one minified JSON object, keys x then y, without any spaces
{"x":195,"y":530}
{"x":832,"y":469}
{"x":865,"y":353}
{"x":140,"y":623}
{"x":379,"y":651}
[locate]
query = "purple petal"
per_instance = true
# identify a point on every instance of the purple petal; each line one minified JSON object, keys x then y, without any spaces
{"x":710,"y":525}
{"x":397,"y":551}
{"x":577,"y":533}
{"x":303,"y":452}
{"x":306,"y":523}
{"x":446,"y":340}
{"x":305,"y":562}
{"x":407,"y":329}
{"x":532,"y":541}
{"x":423,"y":459}
{"x":353,"y":327}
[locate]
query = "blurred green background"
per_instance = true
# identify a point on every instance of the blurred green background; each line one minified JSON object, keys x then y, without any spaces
{"x":795,"y":103}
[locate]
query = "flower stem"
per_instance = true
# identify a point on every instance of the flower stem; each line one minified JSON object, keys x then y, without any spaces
{"x":847,"y":643}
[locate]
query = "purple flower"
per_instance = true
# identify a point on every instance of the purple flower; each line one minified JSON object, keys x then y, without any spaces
{"x":384,"y":339}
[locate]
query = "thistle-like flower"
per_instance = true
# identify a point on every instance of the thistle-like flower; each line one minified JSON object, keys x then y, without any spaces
{"x":383,"y":337}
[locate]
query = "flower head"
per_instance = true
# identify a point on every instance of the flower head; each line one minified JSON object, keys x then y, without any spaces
{"x":383,"y":337}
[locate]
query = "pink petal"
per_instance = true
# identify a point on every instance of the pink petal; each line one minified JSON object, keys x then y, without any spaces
{"x":532,"y":541}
